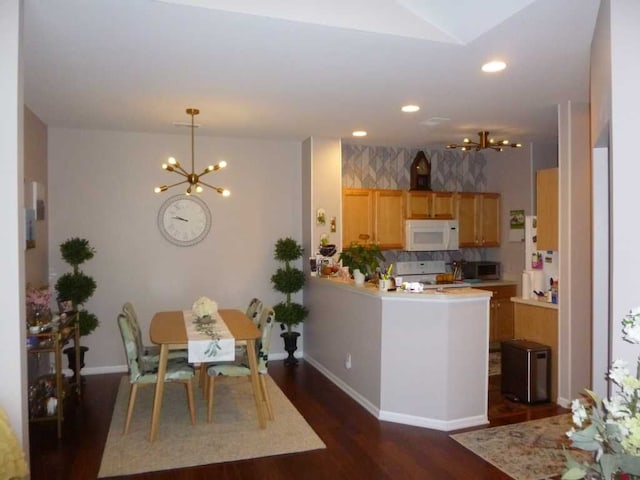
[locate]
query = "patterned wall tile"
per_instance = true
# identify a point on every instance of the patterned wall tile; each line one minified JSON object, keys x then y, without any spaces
{"x":366,"y":166}
{"x":390,"y":167}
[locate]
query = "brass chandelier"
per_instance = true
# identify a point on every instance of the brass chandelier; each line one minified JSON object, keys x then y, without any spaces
{"x":485,"y":142}
{"x":193,"y":179}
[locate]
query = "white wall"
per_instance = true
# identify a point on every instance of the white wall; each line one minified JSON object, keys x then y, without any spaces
{"x":574,"y":314}
{"x":624,"y":168}
{"x":13,"y":375}
{"x":326,"y":183}
{"x":509,"y":173}
{"x":101,"y":188}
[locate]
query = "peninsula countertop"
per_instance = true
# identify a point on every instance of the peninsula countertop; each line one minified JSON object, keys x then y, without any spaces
{"x":445,"y":293}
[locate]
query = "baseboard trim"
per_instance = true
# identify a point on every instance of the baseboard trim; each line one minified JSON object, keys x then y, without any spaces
{"x":433,"y":423}
{"x":366,"y":404}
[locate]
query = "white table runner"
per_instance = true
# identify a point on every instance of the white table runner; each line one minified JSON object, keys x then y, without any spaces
{"x":209,"y":342}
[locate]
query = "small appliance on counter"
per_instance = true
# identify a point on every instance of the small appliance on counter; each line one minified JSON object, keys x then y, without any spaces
{"x":431,"y":274}
{"x":482,"y":270}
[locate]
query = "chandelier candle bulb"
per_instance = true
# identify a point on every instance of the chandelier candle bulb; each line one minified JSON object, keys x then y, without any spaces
{"x":485,"y":142}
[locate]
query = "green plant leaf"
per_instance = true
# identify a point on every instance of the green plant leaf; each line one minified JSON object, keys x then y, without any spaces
{"x":574,"y":473}
{"x":75,"y":286}
{"x":290,"y":314}
{"x":288,"y":280}
{"x":76,"y":251}
{"x":287,"y":250}
{"x":88,"y":322}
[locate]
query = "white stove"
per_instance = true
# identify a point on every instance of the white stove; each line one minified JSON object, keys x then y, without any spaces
{"x":426,"y":273}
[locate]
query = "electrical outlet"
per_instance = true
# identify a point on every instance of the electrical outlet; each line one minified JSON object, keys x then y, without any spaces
{"x":347,"y":362}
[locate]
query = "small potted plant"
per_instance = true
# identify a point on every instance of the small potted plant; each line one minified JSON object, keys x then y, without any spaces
{"x":77,"y":287}
{"x":289,"y":280}
{"x":365,"y":258}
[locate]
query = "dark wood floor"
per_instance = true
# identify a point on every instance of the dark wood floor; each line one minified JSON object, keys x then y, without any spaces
{"x":358,"y":445}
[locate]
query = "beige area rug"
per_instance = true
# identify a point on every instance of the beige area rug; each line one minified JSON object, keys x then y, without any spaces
{"x":233,"y":435}
{"x":525,"y":451}
{"x":494,"y":363}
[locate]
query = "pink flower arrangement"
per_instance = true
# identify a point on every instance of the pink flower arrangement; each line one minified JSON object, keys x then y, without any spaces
{"x":38,"y":298}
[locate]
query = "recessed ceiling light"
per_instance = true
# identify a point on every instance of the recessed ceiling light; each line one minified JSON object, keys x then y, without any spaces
{"x":494,"y":66}
{"x":410,"y":108}
{"x":359,"y":133}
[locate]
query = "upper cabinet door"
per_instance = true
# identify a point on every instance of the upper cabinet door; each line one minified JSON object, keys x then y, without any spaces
{"x":389,"y":219}
{"x":490,"y":215}
{"x":442,"y":205}
{"x":547,"y":208}
{"x":421,"y":205}
{"x":467,"y":214}
{"x":357,"y":215}
{"x":478,"y":217}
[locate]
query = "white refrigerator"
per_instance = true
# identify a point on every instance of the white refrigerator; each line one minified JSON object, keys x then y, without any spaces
{"x":540,"y":266}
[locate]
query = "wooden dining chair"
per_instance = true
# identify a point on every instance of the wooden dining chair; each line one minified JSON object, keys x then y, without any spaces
{"x":149,"y":354}
{"x":241,"y":368}
{"x":254,"y":309}
{"x":140,"y":374}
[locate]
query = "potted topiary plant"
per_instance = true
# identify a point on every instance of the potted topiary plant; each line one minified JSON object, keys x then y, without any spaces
{"x":289,"y":280}
{"x":77,"y":287}
{"x":365,"y":258}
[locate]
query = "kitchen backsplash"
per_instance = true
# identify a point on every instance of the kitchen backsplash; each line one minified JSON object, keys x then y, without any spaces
{"x":366,"y":166}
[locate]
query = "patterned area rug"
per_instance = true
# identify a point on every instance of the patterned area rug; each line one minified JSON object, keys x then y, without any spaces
{"x":233,"y":435}
{"x":525,"y":451}
{"x":494,"y":363}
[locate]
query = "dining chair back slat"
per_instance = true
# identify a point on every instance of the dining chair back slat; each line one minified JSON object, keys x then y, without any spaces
{"x":142,"y":372}
{"x":254,"y":309}
{"x":241,"y":368}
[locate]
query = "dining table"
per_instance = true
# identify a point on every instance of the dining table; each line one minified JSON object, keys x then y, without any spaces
{"x":168,"y":331}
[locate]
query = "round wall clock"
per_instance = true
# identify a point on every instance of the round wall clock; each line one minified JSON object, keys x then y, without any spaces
{"x":184,"y":220}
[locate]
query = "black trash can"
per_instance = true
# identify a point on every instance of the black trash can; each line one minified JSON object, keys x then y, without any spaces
{"x":526,"y":371}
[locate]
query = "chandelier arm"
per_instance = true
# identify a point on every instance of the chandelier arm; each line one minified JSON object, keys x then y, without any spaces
{"x":205,"y":171}
{"x":485,"y":142}
{"x":183,"y":173}
{"x":180,"y":170}
{"x":217,"y":189}
{"x":176,"y":184}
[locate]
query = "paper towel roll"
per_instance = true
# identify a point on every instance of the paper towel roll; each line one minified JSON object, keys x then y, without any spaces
{"x":537,"y":280}
{"x":526,"y":285}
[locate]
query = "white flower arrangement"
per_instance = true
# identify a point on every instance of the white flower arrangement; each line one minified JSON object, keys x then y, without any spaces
{"x":610,"y":428}
{"x":204,"y":307}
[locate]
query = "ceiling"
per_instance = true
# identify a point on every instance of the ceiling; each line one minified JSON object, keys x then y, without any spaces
{"x":285,"y":69}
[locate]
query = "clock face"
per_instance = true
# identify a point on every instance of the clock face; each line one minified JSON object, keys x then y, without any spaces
{"x":184,"y":220}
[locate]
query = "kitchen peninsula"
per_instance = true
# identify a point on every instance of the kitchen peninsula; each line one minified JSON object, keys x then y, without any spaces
{"x":414,"y":358}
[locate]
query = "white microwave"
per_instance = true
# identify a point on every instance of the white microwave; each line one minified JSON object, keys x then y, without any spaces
{"x":431,"y":235}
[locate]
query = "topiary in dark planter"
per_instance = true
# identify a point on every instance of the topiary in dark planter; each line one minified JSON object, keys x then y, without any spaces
{"x":77,"y":287}
{"x":290,"y":346}
{"x":289,"y":280}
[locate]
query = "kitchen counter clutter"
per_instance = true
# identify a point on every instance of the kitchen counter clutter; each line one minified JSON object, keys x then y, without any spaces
{"x":435,"y":293}
{"x":535,"y":303}
{"x":414,"y":358}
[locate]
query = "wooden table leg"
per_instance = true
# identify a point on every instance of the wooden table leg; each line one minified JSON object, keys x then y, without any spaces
{"x":157,"y":399}
{"x":255,"y":383}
